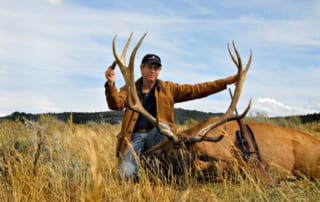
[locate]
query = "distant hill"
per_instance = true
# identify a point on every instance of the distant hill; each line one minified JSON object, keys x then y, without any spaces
{"x":113,"y":117}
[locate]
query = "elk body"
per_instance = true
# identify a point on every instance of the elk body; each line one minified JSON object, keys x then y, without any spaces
{"x":212,"y":144}
{"x":286,"y":151}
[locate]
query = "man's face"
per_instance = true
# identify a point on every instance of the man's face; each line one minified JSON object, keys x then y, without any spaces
{"x":150,"y":72}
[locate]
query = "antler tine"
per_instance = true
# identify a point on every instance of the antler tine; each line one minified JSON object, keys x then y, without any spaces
{"x":232,"y":56}
{"x":124,"y":52}
{"x":133,"y":56}
{"x":237,"y":54}
{"x":119,"y":61}
{"x":249,"y":62}
{"x":133,"y":99}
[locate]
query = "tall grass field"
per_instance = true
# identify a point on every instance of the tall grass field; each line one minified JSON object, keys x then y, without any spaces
{"x":50,"y":160}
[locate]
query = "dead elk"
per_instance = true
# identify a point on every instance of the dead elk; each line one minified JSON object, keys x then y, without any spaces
{"x":212,"y":144}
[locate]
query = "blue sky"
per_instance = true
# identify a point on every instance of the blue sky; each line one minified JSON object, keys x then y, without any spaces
{"x":53,"y":52}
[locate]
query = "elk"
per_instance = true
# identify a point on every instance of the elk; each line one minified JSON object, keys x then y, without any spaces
{"x":212,"y":144}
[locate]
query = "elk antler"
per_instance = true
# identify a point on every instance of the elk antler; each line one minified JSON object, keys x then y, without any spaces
{"x":133,"y":101}
{"x":228,"y":116}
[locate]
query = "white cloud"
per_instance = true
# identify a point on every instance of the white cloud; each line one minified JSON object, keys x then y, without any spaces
{"x":268,"y":106}
{"x":26,"y":101}
{"x":272,"y":107}
{"x":55,"y":2}
{"x":69,"y":100}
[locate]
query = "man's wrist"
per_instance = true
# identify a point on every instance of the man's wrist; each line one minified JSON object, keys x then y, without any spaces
{"x":109,"y":84}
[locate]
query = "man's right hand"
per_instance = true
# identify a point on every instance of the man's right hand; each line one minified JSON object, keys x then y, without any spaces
{"x":110,"y":73}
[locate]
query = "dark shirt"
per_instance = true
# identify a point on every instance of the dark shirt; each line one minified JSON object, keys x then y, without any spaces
{"x":149,"y":103}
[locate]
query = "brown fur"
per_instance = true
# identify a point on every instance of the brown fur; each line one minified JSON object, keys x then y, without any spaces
{"x":285,"y":150}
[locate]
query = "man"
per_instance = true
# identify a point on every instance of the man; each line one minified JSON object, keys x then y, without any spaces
{"x":158,"y":98}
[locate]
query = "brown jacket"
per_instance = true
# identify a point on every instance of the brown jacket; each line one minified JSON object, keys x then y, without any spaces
{"x":167,"y":93}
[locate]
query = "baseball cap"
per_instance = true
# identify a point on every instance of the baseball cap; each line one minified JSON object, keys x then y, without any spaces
{"x":151,"y":58}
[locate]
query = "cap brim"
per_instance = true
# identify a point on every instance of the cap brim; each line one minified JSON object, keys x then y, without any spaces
{"x":152,"y":62}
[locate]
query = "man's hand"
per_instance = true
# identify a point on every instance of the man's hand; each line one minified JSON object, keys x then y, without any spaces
{"x":110,"y":73}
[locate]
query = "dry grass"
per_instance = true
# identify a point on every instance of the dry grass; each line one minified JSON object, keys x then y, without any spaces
{"x":55,"y":161}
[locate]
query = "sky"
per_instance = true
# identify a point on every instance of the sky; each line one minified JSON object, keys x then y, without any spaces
{"x":53,"y":53}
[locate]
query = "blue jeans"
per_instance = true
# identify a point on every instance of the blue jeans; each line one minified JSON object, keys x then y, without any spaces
{"x":140,"y":142}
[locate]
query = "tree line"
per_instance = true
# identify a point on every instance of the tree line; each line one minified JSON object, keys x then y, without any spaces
{"x":112,"y":117}
{"x":115,"y":117}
